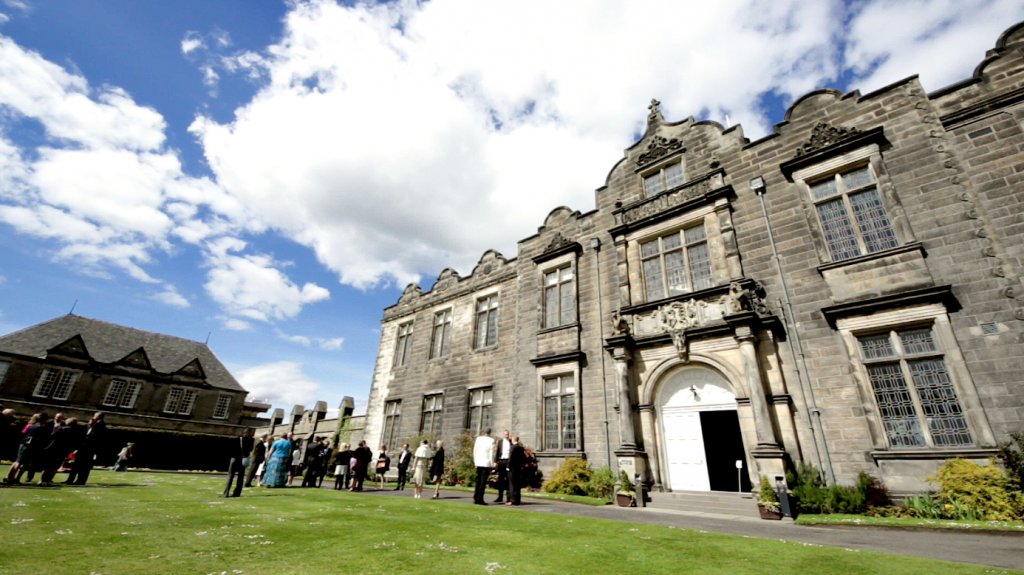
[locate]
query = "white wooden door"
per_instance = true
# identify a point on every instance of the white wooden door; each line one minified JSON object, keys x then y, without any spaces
{"x":687,"y":468}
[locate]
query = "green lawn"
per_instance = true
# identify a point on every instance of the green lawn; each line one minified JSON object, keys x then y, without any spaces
{"x":909,"y":522}
{"x":129,"y":523}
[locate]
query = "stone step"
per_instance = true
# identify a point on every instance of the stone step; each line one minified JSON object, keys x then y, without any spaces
{"x":722,"y":503}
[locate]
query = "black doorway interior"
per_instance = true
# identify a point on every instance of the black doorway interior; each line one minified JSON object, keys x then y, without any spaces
{"x":723,"y":447}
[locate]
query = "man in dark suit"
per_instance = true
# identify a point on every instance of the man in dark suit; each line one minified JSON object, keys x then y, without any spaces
{"x":238,"y":450}
{"x":516,"y":462}
{"x":403,"y":465}
{"x":325,"y":461}
{"x":312,"y":464}
{"x":504,"y":449}
{"x":363,"y":455}
{"x":258,"y":456}
{"x":85,"y":457}
{"x":61,"y":442}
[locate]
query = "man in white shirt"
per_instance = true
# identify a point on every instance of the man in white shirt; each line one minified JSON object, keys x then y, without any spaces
{"x":483,"y":458}
{"x":504,"y":449}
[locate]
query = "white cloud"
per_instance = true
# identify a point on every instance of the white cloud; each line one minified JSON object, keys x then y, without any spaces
{"x":252,"y":286}
{"x":235,"y":324}
{"x":171,"y":297}
{"x":326,"y":344}
{"x":191,"y":42}
{"x":941,"y":40}
{"x":282,"y":383}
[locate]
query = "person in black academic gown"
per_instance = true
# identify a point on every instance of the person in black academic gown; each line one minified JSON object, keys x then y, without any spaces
{"x":516,"y":462}
{"x":238,"y":450}
{"x":85,"y":457}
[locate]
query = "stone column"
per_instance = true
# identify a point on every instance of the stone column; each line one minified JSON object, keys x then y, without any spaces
{"x":627,"y":437}
{"x":758,"y":402}
{"x":647,"y":428}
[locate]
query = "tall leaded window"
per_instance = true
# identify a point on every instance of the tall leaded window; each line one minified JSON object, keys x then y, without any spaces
{"x":4,"y":366}
{"x":441,"y":334}
{"x":403,"y":344}
{"x":430,"y":424}
{"x":559,"y":297}
{"x":560,"y":413}
{"x":855,"y":193}
{"x":487,"y":321}
{"x":480,"y":409}
{"x":55,"y":383}
{"x":392,"y":419}
{"x":121,"y":393}
{"x":915,"y":395}
{"x":220,"y":411}
{"x":676,"y":263}
{"x":180,"y":400}
{"x":664,"y":179}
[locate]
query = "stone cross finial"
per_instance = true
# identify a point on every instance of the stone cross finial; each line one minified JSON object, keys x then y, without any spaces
{"x":654,"y":105}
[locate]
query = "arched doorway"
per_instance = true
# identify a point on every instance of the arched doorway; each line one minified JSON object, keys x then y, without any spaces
{"x":700,"y":432}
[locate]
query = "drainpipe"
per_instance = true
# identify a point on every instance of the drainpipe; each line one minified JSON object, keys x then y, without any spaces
{"x":595,"y":244}
{"x":802,"y":374}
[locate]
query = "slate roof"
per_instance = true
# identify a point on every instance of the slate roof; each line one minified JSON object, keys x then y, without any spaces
{"x":109,"y":342}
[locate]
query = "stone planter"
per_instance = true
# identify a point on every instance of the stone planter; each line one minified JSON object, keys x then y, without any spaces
{"x":625,"y":500}
{"x":768,"y":514}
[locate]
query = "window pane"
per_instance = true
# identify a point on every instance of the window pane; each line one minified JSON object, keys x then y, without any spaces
{"x":551,"y":306}
{"x":839,"y":235}
{"x":857,"y":178}
{"x":221,"y":410}
{"x":114,"y":392}
{"x":551,"y":386}
{"x":675,"y":270}
{"x":649,"y":248}
{"x":551,"y":278}
{"x":131,"y":395}
{"x":63,"y":389}
{"x":4,"y":366}
{"x":700,"y":266}
{"x":481,"y":330}
{"x":896,"y":406}
{"x":873,"y":222}
{"x":938,"y":400}
{"x":446,"y":337}
{"x":568,"y":385}
{"x":652,"y":184}
{"x":173,"y":398}
{"x":46,"y":382}
{"x":566,"y":274}
{"x":551,"y":418}
{"x":917,"y":341}
{"x":673,"y":175}
{"x":876,"y":346}
{"x":568,"y":422}
{"x":694,"y":234}
{"x":187,"y":402}
{"x":824,"y":189}
{"x":669,"y":242}
{"x":567,"y":301}
{"x":652,"y":279}
{"x":492,"y":327}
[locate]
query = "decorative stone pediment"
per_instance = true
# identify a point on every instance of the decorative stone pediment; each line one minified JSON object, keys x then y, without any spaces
{"x":677,"y":317}
{"x":824,"y":135}
{"x":559,"y":245}
{"x":490,"y":261}
{"x":73,"y":347}
{"x":137,"y":358}
{"x":447,"y":279}
{"x":411,"y":292}
{"x":659,"y":147}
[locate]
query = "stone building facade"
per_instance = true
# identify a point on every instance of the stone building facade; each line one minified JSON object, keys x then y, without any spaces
{"x":152,"y":387}
{"x":844,"y":291}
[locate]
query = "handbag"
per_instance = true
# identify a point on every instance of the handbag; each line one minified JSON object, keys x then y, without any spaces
{"x":245,"y":462}
{"x":382,"y":464}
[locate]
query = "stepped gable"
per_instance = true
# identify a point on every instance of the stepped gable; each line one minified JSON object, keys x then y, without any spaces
{"x":110,"y":343}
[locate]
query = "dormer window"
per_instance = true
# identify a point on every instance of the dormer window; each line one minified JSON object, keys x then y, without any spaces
{"x":665,"y":178}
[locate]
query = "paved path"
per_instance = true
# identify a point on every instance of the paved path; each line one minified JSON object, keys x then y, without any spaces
{"x":970,"y":547}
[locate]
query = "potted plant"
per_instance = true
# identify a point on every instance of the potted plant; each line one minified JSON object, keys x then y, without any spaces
{"x":626,"y":495}
{"x":768,"y":502}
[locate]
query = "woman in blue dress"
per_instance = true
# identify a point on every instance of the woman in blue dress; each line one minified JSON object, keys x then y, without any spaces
{"x":278,"y":463}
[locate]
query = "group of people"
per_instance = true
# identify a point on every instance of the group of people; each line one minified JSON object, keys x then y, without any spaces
{"x":507,"y":456}
{"x":42,"y":445}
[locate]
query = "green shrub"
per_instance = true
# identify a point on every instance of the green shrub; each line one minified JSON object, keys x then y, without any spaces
{"x":982,"y":487}
{"x":811,"y":495}
{"x":923,"y":506}
{"x":602,"y":483}
{"x":571,"y":478}
{"x":767,"y":497}
{"x":1011,"y":455}
{"x":459,"y":467}
{"x":625,"y":485}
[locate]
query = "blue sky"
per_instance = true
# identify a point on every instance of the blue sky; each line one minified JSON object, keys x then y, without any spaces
{"x":271,"y":174}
